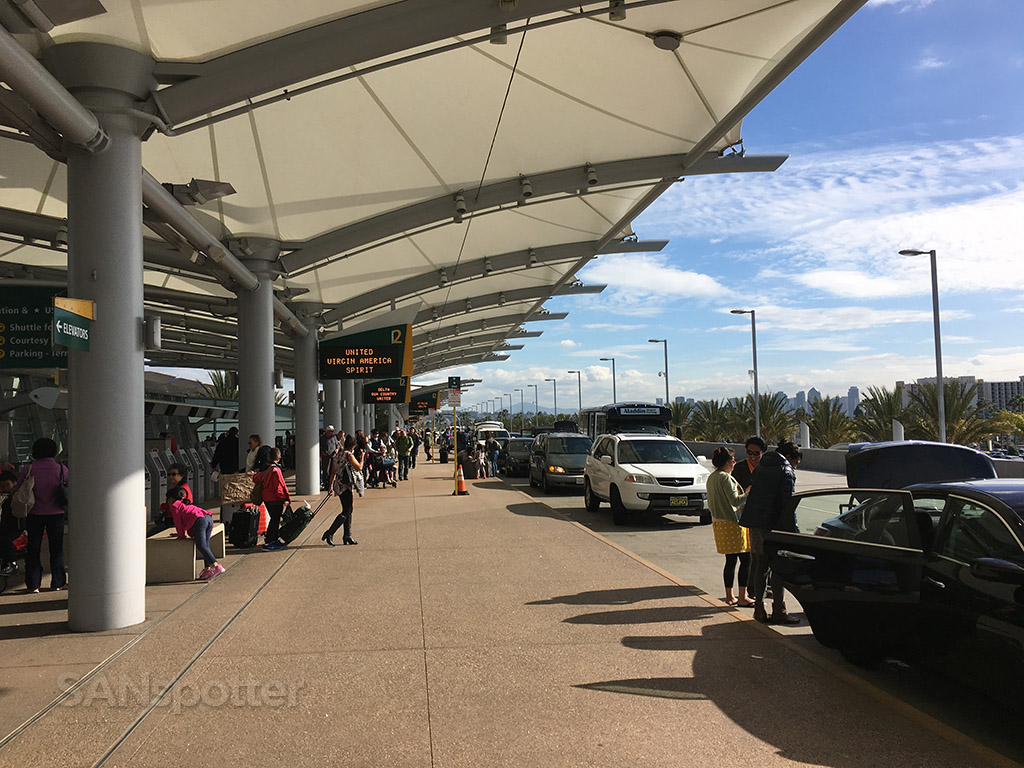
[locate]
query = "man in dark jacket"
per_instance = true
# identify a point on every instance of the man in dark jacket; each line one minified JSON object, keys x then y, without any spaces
{"x":743,"y":472}
{"x":772,"y":486}
{"x":225,"y":457}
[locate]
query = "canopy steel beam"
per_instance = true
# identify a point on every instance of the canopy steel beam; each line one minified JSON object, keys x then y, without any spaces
{"x":492,"y":328}
{"x":483,"y":267}
{"x":333,"y":46}
{"x":467,"y":338}
{"x":568,"y":181}
{"x":500,"y":298}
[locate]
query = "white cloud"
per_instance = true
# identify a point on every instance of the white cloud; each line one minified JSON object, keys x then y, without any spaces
{"x":617,"y":326}
{"x":902,"y":5}
{"x":567,"y":343}
{"x":928,"y":62}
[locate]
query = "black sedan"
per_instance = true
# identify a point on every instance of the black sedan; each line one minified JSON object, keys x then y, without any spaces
{"x":514,"y":458}
{"x":932,"y":570}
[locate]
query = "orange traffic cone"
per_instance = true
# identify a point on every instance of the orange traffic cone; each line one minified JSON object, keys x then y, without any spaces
{"x":461,"y":485}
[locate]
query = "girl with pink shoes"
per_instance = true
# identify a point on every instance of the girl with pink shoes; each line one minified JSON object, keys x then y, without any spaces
{"x":194,"y":522}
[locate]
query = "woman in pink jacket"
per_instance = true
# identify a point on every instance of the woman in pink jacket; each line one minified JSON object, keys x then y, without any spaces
{"x":194,"y":522}
{"x":46,"y":514}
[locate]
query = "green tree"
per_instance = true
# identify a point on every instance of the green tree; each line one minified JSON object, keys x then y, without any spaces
{"x":877,"y":412}
{"x":223,"y":386}
{"x":681,"y":413}
{"x":739,"y":418}
{"x":709,"y":420}
{"x":828,"y":424}
{"x":1017,"y":403}
{"x":964,"y":423}
{"x":777,"y":421}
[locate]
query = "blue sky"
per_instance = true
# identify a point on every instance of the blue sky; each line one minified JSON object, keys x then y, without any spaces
{"x":905,"y":130}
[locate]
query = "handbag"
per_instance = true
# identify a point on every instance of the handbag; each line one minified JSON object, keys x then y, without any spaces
{"x":63,"y":493}
{"x":256,"y":494}
{"x":25,"y":497}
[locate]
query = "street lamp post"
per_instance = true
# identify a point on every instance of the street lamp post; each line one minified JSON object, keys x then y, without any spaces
{"x":536,"y":411}
{"x":554,"y":387}
{"x":579,"y":390}
{"x":665,"y":342}
{"x":522,"y":410}
{"x":753,"y":344}
{"x":939,"y":383}
{"x":509,"y":396}
{"x":615,"y":398}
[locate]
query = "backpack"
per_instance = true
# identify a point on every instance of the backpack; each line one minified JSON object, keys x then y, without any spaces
{"x":25,"y":497}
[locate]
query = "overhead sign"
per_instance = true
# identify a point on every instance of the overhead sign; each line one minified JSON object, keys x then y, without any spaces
{"x":71,"y":320}
{"x":454,"y":382}
{"x":387,"y":391}
{"x":380,"y":353}
{"x":422,"y":405}
{"x":26,"y":328}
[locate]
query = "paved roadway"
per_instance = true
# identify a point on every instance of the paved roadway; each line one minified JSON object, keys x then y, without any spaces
{"x":681,"y":546}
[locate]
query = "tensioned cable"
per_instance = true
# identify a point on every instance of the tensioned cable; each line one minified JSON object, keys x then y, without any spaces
{"x":487,"y":162}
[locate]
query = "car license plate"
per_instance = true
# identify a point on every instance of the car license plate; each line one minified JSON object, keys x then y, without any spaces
{"x":678,"y":501}
{"x":579,"y":481}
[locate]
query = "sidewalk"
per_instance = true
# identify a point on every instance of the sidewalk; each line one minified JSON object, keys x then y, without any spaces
{"x":484,"y":630}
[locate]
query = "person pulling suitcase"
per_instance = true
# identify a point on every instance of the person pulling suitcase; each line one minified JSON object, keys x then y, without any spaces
{"x":346,"y":471}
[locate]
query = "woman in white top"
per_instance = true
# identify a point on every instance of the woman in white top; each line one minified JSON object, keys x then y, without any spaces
{"x":725,"y":499}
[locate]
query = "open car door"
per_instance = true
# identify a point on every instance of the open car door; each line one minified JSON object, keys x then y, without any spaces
{"x":854,"y":563}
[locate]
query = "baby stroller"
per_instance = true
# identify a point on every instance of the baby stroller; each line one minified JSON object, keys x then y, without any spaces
{"x":388,"y":471}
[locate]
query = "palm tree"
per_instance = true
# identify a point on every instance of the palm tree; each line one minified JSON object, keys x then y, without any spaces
{"x":777,"y":421}
{"x":878,"y":410}
{"x":828,"y":424}
{"x":709,"y":420}
{"x":964,"y":423}
{"x":740,"y":418}
{"x":681,"y":416}
{"x":224,"y":385}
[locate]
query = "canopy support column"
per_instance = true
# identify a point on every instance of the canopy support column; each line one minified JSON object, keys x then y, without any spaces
{"x":106,"y":435}
{"x":332,"y":403}
{"x":348,"y":406}
{"x":256,"y":346}
{"x":307,"y":443}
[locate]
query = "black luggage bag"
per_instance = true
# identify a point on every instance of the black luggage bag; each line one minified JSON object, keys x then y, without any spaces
{"x":295,"y":523}
{"x":244,"y":527}
{"x":444,"y":454}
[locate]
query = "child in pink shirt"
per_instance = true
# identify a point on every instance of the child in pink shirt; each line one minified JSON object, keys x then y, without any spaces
{"x":195,"y":522}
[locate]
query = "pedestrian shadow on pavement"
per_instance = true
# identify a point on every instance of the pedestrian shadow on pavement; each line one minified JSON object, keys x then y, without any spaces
{"x":40,"y":629}
{"x":618,"y":596}
{"x":36,"y":606}
{"x":647,"y":615}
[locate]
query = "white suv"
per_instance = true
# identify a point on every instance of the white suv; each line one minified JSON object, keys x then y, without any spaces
{"x":641,"y":472}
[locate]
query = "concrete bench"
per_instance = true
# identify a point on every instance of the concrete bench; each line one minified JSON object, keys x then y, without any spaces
{"x":169,"y":558}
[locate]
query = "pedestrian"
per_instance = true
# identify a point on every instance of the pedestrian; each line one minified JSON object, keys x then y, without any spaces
{"x":196,"y":523}
{"x":328,"y":447}
{"x":492,"y":448}
{"x":10,"y":526}
{"x":177,"y":477}
{"x":225,"y":455}
{"x":258,"y":457}
{"x":773,"y":484}
{"x":415,"y":444}
{"x":403,"y":447}
{"x":45,"y":516}
{"x":744,"y":470}
{"x":275,"y":496}
{"x":343,"y":482}
{"x":427,"y":444}
{"x":725,"y":500}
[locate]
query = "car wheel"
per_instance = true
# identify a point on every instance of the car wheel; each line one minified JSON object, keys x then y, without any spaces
{"x":533,"y":483}
{"x":545,"y":485}
{"x":705,"y":517}
{"x":619,"y":513}
{"x":590,"y":501}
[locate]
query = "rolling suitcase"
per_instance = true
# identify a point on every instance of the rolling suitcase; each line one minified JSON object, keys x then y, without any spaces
{"x":294,"y":524}
{"x":245,"y":526}
{"x":444,"y":455}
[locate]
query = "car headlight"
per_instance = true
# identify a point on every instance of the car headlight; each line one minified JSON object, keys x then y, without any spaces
{"x":637,"y":477}
{"x":556,"y":470}
{"x":702,"y":478}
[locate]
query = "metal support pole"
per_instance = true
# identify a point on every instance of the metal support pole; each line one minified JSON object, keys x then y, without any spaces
{"x":256,"y":350}
{"x":332,"y":403}
{"x":360,"y":409}
{"x":307,"y":443}
{"x":757,"y":396}
{"x":348,"y":406}
{"x":940,"y":384}
{"x":106,"y":388}
{"x":536,"y":407}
